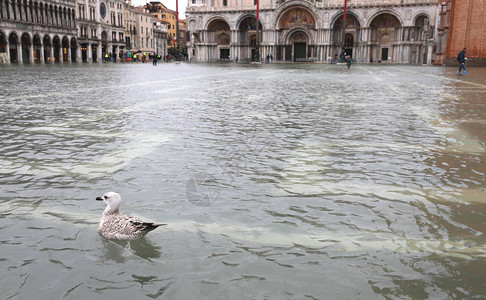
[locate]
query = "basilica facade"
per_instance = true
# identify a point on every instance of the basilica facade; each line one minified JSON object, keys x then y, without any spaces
{"x":396,"y":31}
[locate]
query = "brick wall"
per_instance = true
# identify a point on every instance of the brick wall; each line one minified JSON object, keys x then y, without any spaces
{"x":467,"y":30}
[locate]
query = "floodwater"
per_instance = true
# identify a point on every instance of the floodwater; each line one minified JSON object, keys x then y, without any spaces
{"x":281,"y":181}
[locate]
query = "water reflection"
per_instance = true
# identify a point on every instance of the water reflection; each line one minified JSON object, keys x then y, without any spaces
{"x":143,"y":248}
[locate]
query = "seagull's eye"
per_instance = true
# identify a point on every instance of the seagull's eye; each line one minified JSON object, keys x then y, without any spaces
{"x":106,"y":197}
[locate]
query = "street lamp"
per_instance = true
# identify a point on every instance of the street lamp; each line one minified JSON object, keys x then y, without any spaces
{"x":343,"y":45}
{"x":178,"y":40}
{"x":257,"y":31}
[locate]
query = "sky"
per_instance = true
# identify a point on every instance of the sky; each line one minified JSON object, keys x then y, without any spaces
{"x":170,"y":4}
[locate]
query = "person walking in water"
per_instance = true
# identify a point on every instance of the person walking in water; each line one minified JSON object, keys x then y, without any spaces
{"x":348,"y":61}
{"x":461,"y":57}
{"x":154,"y":59}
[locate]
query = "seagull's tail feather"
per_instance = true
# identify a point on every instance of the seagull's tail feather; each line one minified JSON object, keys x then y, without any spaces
{"x":146,"y":226}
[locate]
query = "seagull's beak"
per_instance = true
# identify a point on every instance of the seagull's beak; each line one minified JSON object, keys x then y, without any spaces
{"x":99,"y":199}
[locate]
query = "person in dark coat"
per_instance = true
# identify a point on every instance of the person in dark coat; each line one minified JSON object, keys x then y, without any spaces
{"x":461,"y":57}
{"x":154,"y":59}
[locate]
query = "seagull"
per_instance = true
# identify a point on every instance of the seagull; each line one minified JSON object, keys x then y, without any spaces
{"x":115,"y":226}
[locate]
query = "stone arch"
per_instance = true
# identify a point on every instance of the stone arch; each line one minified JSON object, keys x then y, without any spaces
{"x":384,"y":12}
{"x":56,"y":46}
{"x":216,"y":18}
{"x":242,"y":18}
{"x":26,"y":42}
{"x":191,"y":24}
{"x":294,"y":32}
{"x":3,"y":42}
{"x":218,"y":32}
{"x":336,"y":20}
{"x":36,"y":47}
{"x":223,"y":39}
{"x":419,"y":16}
{"x":216,"y":27}
{"x":296,"y":16}
{"x":65,"y":48}
{"x":13,"y":40}
{"x":246,"y":27}
{"x":278,"y":13}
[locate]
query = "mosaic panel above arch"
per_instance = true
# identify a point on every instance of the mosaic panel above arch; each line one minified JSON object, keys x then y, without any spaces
{"x":351,"y":22}
{"x":297,"y":17}
{"x":218,"y":25}
{"x":385,"y":21}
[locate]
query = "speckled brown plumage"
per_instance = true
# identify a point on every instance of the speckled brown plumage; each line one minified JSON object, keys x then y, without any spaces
{"x":113,"y":225}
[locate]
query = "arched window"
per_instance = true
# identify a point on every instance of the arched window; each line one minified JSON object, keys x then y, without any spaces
{"x":253,"y":41}
{"x":223,"y":39}
{"x":349,"y":40}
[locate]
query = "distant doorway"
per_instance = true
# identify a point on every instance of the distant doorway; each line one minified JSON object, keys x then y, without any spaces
{"x":384,"y":54}
{"x":224,"y":54}
{"x":299,"y":51}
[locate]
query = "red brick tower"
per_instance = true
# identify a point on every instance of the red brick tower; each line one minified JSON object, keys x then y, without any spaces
{"x":467,"y":30}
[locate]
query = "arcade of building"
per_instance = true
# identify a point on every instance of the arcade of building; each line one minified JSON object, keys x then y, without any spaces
{"x":54,"y":26}
{"x":297,"y":30}
{"x":50,"y":31}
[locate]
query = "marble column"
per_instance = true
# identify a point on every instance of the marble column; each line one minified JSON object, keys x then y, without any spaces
{"x":19,"y":53}
{"x":51,"y":54}
{"x":41,"y":58}
{"x":79,"y":55}
{"x":99,"y":57}
{"x":69,"y":53}
{"x":429,"y":55}
{"x":7,"y":45}
{"x":61,"y":54}
{"x":31,"y":53}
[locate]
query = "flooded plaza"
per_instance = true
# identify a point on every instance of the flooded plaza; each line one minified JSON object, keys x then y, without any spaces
{"x":278,"y":181}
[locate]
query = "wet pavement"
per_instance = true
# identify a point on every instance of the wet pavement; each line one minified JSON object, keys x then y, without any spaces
{"x":280,"y":181}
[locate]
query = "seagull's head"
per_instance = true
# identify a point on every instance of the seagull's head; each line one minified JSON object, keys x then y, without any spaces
{"x":112,"y":199}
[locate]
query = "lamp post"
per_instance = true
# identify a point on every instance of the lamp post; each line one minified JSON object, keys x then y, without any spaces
{"x":257,"y":31}
{"x":343,"y":45}
{"x":178,"y":40}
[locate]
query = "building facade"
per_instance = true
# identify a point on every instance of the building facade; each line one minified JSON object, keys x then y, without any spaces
{"x":101,"y":29}
{"x":160,"y":37}
{"x":161,"y":12}
{"x":130,"y":26}
{"x":145,"y":30}
{"x":397,"y":31}
{"x":37,"y":31}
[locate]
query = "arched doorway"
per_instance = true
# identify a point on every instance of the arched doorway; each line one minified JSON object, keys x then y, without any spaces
{"x":56,"y":43}
{"x":47,"y":49}
{"x":74,"y":49}
{"x":384,"y":37}
{"x":247,"y":38}
{"x":352,"y":32}
{"x":13,"y":40}
{"x":37,"y":48}
{"x":84,"y":52}
{"x":296,"y":27}
{"x":3,"y":43}
{"x":26,"y":44}
{"x":420,"y":34}
{"x":219,"y":33}
{"x":65,"y":49}
{"x":223,"y":41}
{"x":299,"y":42}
